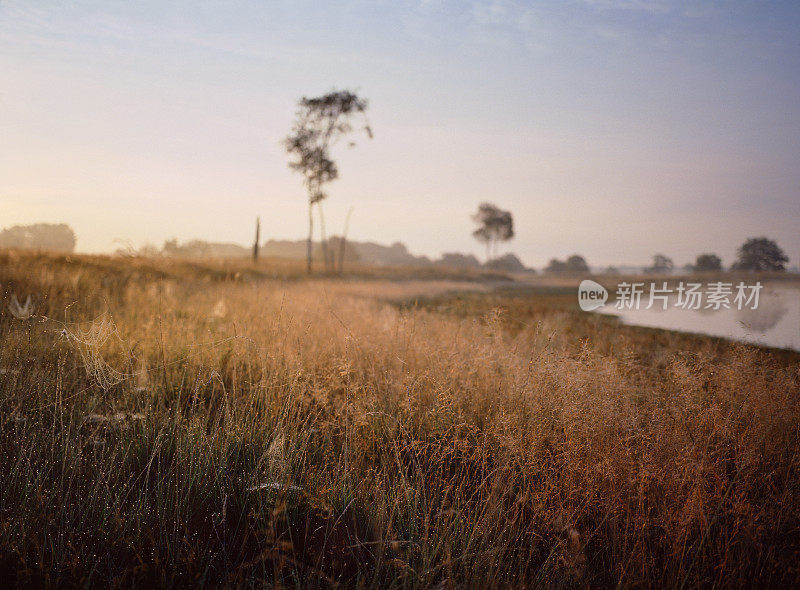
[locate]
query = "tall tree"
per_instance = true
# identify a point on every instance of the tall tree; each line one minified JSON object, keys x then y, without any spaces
{"x":494,"y":225}
{"x":319,"y":123}
{"x":761,"y":254}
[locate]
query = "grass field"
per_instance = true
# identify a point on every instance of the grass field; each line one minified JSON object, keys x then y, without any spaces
{"x":178,"y":424}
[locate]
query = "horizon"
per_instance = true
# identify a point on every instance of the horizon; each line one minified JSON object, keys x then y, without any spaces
{"x":612,"y":129}
{"x":147,"y":250}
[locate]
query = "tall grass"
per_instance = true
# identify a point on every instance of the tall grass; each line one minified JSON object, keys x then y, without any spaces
{"x":176,"y":425}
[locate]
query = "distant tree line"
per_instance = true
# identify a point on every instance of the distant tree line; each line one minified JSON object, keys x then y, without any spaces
{"x":368,"y":253}
{"x":56,"y":237}
{"x":756,"y":254}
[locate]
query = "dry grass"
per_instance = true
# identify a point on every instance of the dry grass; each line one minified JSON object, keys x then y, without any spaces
{"x":176,"y":425}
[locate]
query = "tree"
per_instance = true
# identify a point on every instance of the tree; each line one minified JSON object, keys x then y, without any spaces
{"x":556,"y":266}
{"x":495,"y":225}
{"x":760,"y":254}
{"x":707,"y":263}
{"x":661,"y":265}
{"x":319,"y":123}
{"x":44,"y":236}
{"x":458,"y":260}
{"x":575,"y":265}
{"x":509,"y":263}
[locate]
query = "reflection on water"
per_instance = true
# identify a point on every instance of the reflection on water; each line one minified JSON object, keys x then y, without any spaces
{"x":776,"y":321}
{"x":769,"y":312}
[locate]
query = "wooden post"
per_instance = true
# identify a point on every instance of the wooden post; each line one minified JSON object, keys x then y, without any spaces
{"x":255,"y":244}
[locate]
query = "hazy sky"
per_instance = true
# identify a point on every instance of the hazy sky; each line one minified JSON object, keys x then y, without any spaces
{"x":611,"y":128}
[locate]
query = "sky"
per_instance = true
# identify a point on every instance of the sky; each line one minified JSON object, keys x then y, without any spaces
{"x":615,"y":129}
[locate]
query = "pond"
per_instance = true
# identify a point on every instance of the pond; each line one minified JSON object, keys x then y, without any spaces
{"x":775,"y":322}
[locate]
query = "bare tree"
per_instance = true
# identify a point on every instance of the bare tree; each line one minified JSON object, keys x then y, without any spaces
{"x":319,"y":123}
{"x":495,"y":225}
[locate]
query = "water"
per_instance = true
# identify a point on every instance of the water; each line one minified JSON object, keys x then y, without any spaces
{"x":776,"y":321}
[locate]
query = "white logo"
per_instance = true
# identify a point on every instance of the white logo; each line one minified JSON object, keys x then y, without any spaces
{"x":591,"y":295}
{"x":715,"y":296}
